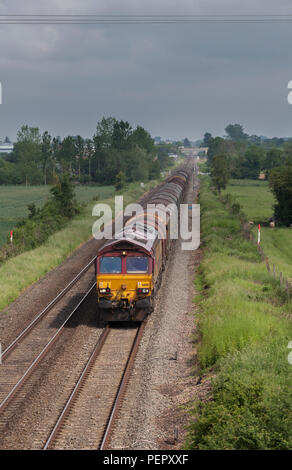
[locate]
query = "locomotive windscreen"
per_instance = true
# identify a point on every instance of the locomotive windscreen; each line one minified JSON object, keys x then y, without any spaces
{"x":137,"y":264}
{"x":110,"y":264}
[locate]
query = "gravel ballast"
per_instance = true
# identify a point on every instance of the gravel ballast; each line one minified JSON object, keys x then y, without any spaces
{"x":152,"y":416}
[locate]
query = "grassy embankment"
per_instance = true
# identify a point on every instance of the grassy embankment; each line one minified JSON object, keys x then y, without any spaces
{"x":243,"y":334}
{"x":18,"y":273}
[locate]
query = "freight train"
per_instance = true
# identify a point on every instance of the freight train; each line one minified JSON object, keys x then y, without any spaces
{"x":129,"y":267}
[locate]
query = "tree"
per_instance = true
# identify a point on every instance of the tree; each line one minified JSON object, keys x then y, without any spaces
{"x":207,"y":139}
{"x":121,"y":135}
{"x":186,"y":143}
{"x":162,"y":152}
{"x":280,"y":181}
{"x":137,"y":163}
{"x":66,"y":153}
{"x":102,"y":141}
{"x":103,"y":138}
{"x":215,"y":146}
{"x":252,"y":162}
{"x":273,"y":158}
{"x":56,"y":146}
{"x":235,"y":132}
{"x":154,"y":170}
{"x":115,"y":147}
{"x":80,"y":146}
{"x":220,"y":171}
{"x":254,"y":139}
{"x":142,"y":139}
{"x":46,"y":153}
{"x":89,"y":152}
{"x":63,"y":194}
{"x":120,"y":180}
{"x":27,"y":153}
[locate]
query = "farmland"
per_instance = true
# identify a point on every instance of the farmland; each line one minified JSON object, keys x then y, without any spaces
{"x":254,"y":197}
{"x":15,"y":199}
{"x":256,"y":201}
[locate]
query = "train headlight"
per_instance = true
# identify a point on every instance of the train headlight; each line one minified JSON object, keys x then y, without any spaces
{"x":105,"y":291}
{"x":143,"y":291}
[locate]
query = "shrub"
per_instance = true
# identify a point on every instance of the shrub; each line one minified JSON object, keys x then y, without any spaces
{"x":40,"y":224}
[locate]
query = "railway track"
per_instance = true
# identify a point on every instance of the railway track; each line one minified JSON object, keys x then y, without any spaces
{"x":46,"y":310}
{"x":88,"y":417}
{"x":22,"y":357}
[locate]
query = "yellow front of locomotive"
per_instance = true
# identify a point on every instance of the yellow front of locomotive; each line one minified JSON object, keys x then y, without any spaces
{"x":124,"y":286}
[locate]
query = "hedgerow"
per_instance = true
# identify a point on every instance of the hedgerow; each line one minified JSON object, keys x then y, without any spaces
{"x":41,"y":223}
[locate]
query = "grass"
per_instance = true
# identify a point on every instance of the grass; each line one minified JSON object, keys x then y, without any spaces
{"x":203,"y":167}
{"x":18,"y":273}
{"x":255,"y":198}
{"x":243,"y":334}
{"x":257,"y":201}
{"x":277,"y":244}
{"x":15,"y":199}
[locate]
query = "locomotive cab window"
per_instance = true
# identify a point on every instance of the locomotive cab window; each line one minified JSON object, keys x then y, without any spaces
{"x":137,"y":264}
{"x":110,"y":265}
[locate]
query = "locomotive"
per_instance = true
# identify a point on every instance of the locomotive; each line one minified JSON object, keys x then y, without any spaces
{"x":129,"y":267}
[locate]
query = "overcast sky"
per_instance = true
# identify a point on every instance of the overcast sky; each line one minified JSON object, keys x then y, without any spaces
{"x":175,"y":80}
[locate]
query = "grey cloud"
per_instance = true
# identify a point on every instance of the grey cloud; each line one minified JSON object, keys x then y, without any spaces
{"x":176,"y":80}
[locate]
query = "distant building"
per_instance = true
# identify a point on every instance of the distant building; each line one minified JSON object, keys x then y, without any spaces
{"x":157,"y":140}
{"x":6,"y":146}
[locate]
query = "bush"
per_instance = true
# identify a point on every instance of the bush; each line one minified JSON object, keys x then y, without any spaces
{"x":252,"y":401}
{"x":235,"y":208}
{"x":40,"y":224}
{"x":120,"y":181}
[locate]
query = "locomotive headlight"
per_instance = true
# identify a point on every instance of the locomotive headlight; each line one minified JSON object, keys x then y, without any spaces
{"x":105,"y":291}
{"x":143,"y":291}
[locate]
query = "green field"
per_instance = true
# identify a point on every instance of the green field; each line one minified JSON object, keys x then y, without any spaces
{"x":254,"y":197}
{"x":15,"y":199}
{"x":257,"y":202}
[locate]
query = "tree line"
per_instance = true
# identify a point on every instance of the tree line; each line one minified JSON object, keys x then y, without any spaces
{"x":248,"y":156}
{"x":238,"y":155}
{"x":115,"y":149}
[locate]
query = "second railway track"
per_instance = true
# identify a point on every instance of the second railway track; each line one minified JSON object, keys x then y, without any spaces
{"x":21,"y":358}
{"x":88,"y":417}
